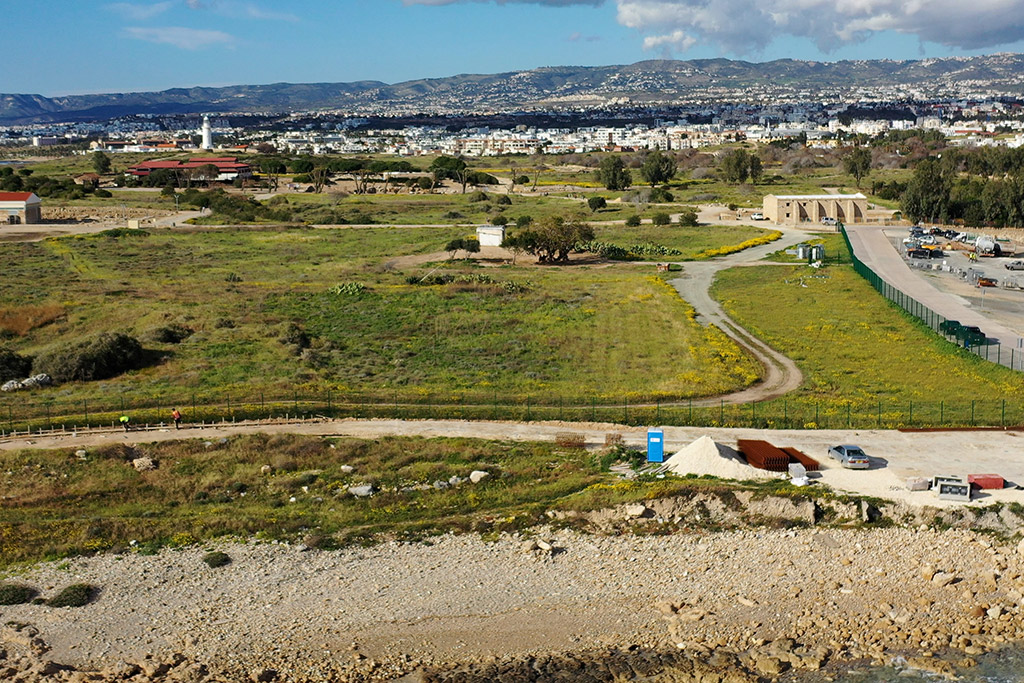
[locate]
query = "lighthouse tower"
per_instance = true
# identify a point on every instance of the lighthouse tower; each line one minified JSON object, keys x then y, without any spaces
{"x":207,"y":133}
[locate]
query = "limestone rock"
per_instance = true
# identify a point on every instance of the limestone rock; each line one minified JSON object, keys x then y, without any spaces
{"x":144,"y":464}
{"x":943,"y":579}
{"x":364,"y":491}
{"x":636,"y":510}
{"x":477,"y":476}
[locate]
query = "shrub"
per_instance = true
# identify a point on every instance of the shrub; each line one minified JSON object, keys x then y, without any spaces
{"x":169,"y":334}
{"x":688,"y":217}
{"x":596,"y":203}
{"x":661,"y":218}
{"x":499,"y":220}
{"x":524,"y":221}
{"x":101,"y":357}
{"x":293,"y":335}
{"x":477,"y":196}
{"x":13,"y":365}
{"x":105,"y":194}
{"x":660,"y":195}
{"x":633,"y":221}
{"x":75,"y":595}
{"x":504,"y":200}
{"x":15,"y":594}
{"x":216,"y":559}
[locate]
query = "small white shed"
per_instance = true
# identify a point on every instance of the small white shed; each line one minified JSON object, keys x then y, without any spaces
{"x":490,"y":235}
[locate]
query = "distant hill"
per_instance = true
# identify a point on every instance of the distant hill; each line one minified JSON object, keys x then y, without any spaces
{"x":661,"y":81}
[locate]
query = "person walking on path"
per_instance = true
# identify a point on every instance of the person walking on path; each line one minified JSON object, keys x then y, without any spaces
{"x":124,"y":422}
{"x":176,"y":416}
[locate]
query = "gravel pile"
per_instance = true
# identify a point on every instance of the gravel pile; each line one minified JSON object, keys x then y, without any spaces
{"x":758,"y":601}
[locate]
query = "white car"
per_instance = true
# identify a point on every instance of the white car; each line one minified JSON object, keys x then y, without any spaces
{"x":757,"y":216}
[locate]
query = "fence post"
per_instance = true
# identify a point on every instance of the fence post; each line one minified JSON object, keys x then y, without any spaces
{"x":721,"y":412}
{"x":847,"y":415}
{"x":911,"y":420}
{"x":972,"y":413}
{"x":942,"y":413}
{"x":328,"y":401}
{"x":527,"y":408}
{"x":559,"y":408}
{"x":625,"y":410}
{"x":785,"y":411}
{"x":1002,"y":419}
{"x":85,"y":403}
{"x":691,"y":412}
{"x":10,"y":417}
{"x":193,"y":407}
{"x":593,"y":409}
{"x":879,"y":424}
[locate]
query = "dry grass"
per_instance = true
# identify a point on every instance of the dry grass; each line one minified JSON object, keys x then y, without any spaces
{"x":20,"y":320}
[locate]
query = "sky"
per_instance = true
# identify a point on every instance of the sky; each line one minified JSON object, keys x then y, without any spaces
{"x":69,"y":47}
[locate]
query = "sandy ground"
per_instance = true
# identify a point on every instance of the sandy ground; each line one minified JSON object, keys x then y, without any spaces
{"x":895,"y":455}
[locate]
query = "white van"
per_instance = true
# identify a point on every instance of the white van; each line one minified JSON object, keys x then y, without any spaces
{"x":828,"y":220}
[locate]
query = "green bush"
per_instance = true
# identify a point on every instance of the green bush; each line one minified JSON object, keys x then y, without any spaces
{"x":16,"y":594}
{"x":105,"y":194}
{"x":477,"y":196}
{"x":75,"y":595}
{"x":688,"y":218}
{"x":13,"y":365}
{"x":660,"y":195}
{"x":504,"y":200}
{"x":633,"y":221}
{"x":100,"y":357}
{"x":168,"y":334}
{"x":216,"y":559}
{"x":661,"y":218}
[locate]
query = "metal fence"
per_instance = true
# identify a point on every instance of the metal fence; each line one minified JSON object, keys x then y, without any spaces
{"x":26,"y":416}
{"x":1010,"y":357}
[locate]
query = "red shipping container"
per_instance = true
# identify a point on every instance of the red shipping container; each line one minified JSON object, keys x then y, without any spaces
{"x":986,"y":481}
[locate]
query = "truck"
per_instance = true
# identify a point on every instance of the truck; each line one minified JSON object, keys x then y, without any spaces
{"x":986,"y":246}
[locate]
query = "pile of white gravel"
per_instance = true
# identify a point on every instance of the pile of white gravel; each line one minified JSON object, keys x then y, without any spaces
{"x":704,"y":456}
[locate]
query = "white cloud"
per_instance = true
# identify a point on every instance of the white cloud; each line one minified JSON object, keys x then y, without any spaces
{"x":135,"y":12}
{"x":181,"y":37}
{"x":240,"y":10}
{"x":747,"y":26}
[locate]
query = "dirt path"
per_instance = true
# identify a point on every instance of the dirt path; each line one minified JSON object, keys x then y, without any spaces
{"x":781,"y":374}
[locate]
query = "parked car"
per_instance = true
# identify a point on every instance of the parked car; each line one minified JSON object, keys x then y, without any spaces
{"x":851,"y":457}
{"x":918,"y":253}
{"x":757,"y":217}
{"x":987,"y":282}
{"x":1014,"y":265}
{"x":828,"y":220}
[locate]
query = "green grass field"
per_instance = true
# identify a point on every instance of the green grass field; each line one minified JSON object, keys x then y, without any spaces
{"x":852,"y":345}
{"x":691,"y":241}
{"x":576,"y":330}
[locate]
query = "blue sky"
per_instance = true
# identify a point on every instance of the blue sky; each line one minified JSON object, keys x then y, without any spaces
{"x":79,"y":47}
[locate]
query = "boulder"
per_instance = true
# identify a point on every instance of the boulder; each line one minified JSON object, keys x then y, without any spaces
{"x":943,"y":579}
{"x":81,"y":454}
{"x":347,"y":469}
{"x":266,"y":469}
{"x":364,"y":491}
{"x":144,"y":464}
{"x":477,"y":476}
{"x":636,"y":510}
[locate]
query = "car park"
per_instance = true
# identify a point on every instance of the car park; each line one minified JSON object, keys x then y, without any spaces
{"x":1014,"y":265}
{"x":851,"y":457}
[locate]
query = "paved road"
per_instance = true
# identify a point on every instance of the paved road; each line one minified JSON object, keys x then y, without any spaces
{"x":873,"y":248}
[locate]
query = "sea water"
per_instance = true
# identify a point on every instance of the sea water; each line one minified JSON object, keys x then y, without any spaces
{"x":1002,"y":666}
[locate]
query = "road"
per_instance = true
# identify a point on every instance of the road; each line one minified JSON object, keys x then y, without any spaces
{"x":781,"y":374}
{"x":875,"y":249}
{"x":896,"y":455}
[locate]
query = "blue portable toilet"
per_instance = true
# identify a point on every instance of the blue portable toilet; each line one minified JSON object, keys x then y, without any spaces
{"x":655,"y":445}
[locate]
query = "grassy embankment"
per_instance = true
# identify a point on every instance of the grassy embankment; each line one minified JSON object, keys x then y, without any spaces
{"x":58,"y":505}
{"x":858,"y":350}
{"x":577,"y":331}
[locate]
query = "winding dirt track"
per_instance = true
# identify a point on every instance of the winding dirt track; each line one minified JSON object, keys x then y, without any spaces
{"x":781,"y":374}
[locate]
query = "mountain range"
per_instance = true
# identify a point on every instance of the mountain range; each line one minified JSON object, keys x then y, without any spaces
{"x":654,"y":81}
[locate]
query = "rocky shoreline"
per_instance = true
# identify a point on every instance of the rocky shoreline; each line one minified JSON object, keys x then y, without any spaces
{"x":738,"y":605}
